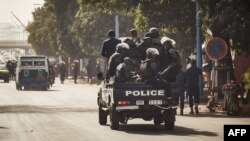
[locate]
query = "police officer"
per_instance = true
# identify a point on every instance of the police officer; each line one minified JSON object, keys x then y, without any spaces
{"x":193,"y":74}
{"x":116,"y":59}
{"x":123,"y":71}
{"x":134,"y":36}
{"x":170,"y":60}
{"x":151,"y":40}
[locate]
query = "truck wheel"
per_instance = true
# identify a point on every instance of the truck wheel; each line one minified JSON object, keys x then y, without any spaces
{"x":114,"y":119}
{"x":169,"y":125}
{"x":158,"y":120}
{"x":102,"y":116}
{"x":44,"y":88}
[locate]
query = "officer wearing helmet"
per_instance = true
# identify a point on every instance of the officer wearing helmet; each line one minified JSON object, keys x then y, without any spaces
{"x":117,"y":58}
{"x":123,"y":71}
{"x":170,"y":60}
{"x":149,"y":67}
{"x":151,"y":40}
{"x":149,"y":70}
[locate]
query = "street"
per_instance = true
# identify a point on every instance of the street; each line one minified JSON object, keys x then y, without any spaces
{"x":68,"y":112}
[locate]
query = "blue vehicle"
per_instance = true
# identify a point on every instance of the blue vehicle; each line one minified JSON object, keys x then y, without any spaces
{"x":32,"y":72}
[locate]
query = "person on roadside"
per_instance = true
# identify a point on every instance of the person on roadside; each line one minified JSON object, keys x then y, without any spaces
{"x":62,"y":70}
{"x":76,"y":70}
{"x":193,"y":74}
{"x":181,"y":85}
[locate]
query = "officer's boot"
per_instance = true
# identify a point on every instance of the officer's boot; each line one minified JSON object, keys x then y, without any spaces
{"x":191,"y":110}
{"x":196,"y":109}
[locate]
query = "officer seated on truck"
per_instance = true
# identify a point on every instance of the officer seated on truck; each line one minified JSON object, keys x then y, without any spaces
{"x":149,"y":67}
{"x":116,"y":59}
{"x":123,"y":71}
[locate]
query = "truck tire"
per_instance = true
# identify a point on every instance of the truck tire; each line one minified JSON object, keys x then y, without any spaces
{"x":102,"y":116}
{"x":158,"y":120}
{"x":114,"y":118}
{"x":169,"y":125}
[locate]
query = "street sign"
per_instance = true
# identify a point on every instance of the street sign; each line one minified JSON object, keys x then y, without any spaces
{"x":216,"y":48}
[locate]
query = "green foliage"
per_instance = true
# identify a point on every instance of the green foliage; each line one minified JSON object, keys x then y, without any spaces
{"x":246,"y":78}
{"x":230,"y":19}
{"x":42,"y":37}
{"x":76,"y":28}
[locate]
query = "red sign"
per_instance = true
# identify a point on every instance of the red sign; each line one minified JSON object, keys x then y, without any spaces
{"x":216,"y":48}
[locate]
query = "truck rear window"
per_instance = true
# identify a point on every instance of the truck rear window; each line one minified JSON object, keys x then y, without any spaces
{"x":26,"y":63}
{"x":39,"y":63}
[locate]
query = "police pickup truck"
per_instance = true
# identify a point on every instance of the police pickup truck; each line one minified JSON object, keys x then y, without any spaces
{"x":124,"y":101}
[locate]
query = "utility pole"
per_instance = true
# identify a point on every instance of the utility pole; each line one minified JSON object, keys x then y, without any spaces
{"x":117,"y":26}
{"x":198,"y":43}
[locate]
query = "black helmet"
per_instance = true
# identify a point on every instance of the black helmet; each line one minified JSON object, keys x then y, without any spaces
{"x":154,"y":32}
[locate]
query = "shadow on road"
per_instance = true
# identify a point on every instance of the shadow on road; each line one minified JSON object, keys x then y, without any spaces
{"x":149,"y":129}
{"x":3,"y":127}
{"x":41,"y":109}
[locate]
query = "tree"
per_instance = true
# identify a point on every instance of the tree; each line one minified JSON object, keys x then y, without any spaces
{"x":230,"y":19}
{"x":42,"y":32}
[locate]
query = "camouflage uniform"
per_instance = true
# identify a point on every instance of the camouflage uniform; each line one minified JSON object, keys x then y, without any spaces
{"x":116,"y":59}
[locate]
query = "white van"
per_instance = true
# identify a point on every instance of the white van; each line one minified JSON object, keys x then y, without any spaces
{"x":32,"y":72}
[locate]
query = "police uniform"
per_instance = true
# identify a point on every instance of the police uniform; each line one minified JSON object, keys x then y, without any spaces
{"x":116,"y":59}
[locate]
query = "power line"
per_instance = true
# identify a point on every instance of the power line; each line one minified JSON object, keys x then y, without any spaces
{"x":19,"y":21}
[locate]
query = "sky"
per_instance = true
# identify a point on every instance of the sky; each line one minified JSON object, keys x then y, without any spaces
{"x":21,"y":8}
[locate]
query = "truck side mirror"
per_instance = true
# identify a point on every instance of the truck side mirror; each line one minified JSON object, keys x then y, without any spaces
{"x":100,"y":76}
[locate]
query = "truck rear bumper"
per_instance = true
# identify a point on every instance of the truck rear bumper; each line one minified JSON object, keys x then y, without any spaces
{"x":136,"y":107}
{"x":120,"y":108}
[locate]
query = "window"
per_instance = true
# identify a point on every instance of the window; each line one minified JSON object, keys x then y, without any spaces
{"x":39,"y":63}
{"x":26,"y":63}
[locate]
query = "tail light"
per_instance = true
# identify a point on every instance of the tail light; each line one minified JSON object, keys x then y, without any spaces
{"x":123,"y":102}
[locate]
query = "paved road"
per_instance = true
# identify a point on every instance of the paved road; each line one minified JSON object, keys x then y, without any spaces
{"x":68,"y":112}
